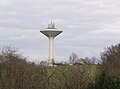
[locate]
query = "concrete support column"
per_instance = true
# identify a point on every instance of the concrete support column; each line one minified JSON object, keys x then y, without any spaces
{"x":51,"y":51}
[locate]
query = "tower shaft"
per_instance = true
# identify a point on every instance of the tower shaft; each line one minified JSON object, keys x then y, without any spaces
{"x":51,"y":51}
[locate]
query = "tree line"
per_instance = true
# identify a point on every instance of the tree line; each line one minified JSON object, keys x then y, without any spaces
{"x":18,"y":73}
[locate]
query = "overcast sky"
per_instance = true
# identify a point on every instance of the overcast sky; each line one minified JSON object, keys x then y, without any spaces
{"x":89,"y":26}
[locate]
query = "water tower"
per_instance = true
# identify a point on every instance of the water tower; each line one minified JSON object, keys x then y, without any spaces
{"x":51,"y":32}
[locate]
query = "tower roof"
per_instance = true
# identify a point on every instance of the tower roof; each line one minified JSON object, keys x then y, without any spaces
{"x":51,"y":31}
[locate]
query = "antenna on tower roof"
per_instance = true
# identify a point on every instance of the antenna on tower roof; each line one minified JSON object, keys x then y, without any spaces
{"x":51,"y":25}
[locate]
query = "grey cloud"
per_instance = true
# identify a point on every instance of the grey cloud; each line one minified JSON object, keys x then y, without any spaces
{"x":88,"y":26}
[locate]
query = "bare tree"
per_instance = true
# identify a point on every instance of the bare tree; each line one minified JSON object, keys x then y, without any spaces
{"x":111,"y":59}
{"x":17,"y":73}
{"x":91,"y":60}
{"x":44,"y":63}
{"x":72,"y":58}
